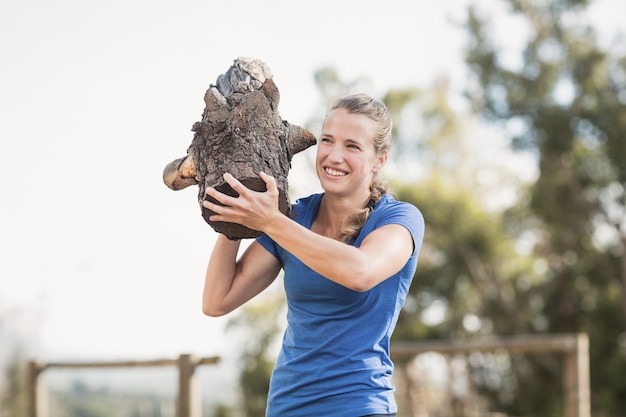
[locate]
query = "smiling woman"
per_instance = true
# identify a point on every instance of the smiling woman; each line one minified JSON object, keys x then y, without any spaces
{"x":348,"y":255}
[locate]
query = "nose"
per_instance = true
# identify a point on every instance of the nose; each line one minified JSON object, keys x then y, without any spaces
{"x":335,"y":154}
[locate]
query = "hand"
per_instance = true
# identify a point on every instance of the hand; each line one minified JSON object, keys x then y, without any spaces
{"x":253,"y":209}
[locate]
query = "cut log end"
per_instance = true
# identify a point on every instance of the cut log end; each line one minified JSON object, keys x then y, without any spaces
{"x":180,"y":173}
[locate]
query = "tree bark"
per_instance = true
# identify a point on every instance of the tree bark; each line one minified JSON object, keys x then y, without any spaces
{"x":242,"y":133}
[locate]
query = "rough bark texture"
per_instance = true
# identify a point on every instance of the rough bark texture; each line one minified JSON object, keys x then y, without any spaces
{"x":242,"y":133}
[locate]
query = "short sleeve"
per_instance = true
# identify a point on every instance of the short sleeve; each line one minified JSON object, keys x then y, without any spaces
{"x":269,"y":245}
{"x":402,"y":213}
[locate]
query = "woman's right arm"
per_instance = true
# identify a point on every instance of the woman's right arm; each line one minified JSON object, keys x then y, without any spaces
{"x":230,"y":282}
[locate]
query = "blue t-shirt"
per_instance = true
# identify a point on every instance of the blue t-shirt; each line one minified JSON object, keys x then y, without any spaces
{"x":335,"y":359}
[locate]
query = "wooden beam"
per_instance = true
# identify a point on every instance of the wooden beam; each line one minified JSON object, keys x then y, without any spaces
{"x":513,"y":344}
{"x":127,"y":364}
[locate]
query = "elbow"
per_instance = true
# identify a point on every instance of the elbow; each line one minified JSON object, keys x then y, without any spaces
{"x":212,"y":313}
{"x":360,"y":281}
{"x":212,"y":310}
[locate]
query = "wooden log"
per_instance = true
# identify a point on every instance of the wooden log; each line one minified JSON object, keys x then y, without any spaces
{"x":242,"y":133}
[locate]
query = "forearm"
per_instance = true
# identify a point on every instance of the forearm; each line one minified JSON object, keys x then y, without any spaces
{"x":335,"y":260}
{"x":220,"y":275}
{"x":232,"y":280}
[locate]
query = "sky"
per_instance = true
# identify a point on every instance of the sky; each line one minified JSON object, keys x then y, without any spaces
{"x":98,"y":258}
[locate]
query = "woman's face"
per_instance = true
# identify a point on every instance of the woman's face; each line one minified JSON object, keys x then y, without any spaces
{"x":346,"y":158}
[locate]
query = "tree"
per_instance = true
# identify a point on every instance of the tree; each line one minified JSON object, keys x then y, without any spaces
{"x":565,"y":103}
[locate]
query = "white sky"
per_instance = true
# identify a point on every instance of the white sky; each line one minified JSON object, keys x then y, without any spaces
{"x":98,"y":259}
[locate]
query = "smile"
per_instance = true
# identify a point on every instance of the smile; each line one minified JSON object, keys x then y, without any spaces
{"x":334,"y":172}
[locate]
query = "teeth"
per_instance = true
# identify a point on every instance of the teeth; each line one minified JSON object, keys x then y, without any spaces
{"x":334,"y":172}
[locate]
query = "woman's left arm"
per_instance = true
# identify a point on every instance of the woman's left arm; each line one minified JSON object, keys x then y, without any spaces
{"x":381,"y":254}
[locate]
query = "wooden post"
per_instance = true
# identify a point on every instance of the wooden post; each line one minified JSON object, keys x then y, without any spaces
{"x":37,"y":393}
{"x":188,"y":399}
{"x":576,"y":378}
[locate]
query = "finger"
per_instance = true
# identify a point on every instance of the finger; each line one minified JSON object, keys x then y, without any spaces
{"x":220,"y":213}
{"x":216,"y":208}
{"x":222,"y":198}
{"x":234,"y":183}
{"x":270,"y":182}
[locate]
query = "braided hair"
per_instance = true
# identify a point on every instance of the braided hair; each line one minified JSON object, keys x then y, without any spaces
{"x":376,"y":111}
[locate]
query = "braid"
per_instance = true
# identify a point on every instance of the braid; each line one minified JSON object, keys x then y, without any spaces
{"x":353,"y":223}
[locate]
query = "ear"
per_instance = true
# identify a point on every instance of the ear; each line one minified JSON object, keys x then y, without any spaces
{"x":381,"y":160}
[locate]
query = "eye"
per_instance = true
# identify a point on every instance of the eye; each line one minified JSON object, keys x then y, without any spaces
{"x":353,"y":146}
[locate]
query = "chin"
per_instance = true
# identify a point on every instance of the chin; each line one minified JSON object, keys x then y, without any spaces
{"x":332,"y":187}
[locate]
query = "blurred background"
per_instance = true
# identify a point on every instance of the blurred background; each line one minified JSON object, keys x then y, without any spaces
{"x":510,"y":121}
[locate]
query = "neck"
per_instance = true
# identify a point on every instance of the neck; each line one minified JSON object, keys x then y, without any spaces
{"x":333,"y":210}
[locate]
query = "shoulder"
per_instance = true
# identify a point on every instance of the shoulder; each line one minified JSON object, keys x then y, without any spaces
{"x":389,"y":206}
{"x":391,"y":211}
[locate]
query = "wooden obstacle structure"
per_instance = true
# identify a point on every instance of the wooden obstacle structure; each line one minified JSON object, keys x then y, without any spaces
{"x":188,"y":403}
{"x":574,"y":348}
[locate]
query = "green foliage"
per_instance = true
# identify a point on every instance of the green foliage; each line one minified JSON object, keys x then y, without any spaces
{"x":222,"y":410}
{"x":568,"y":98}
{"x":467,"y":262}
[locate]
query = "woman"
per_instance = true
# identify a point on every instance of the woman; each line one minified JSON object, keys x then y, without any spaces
{"x":349,"y":255}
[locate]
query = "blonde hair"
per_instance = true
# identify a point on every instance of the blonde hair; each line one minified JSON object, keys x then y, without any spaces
{"x":376,"y":111}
